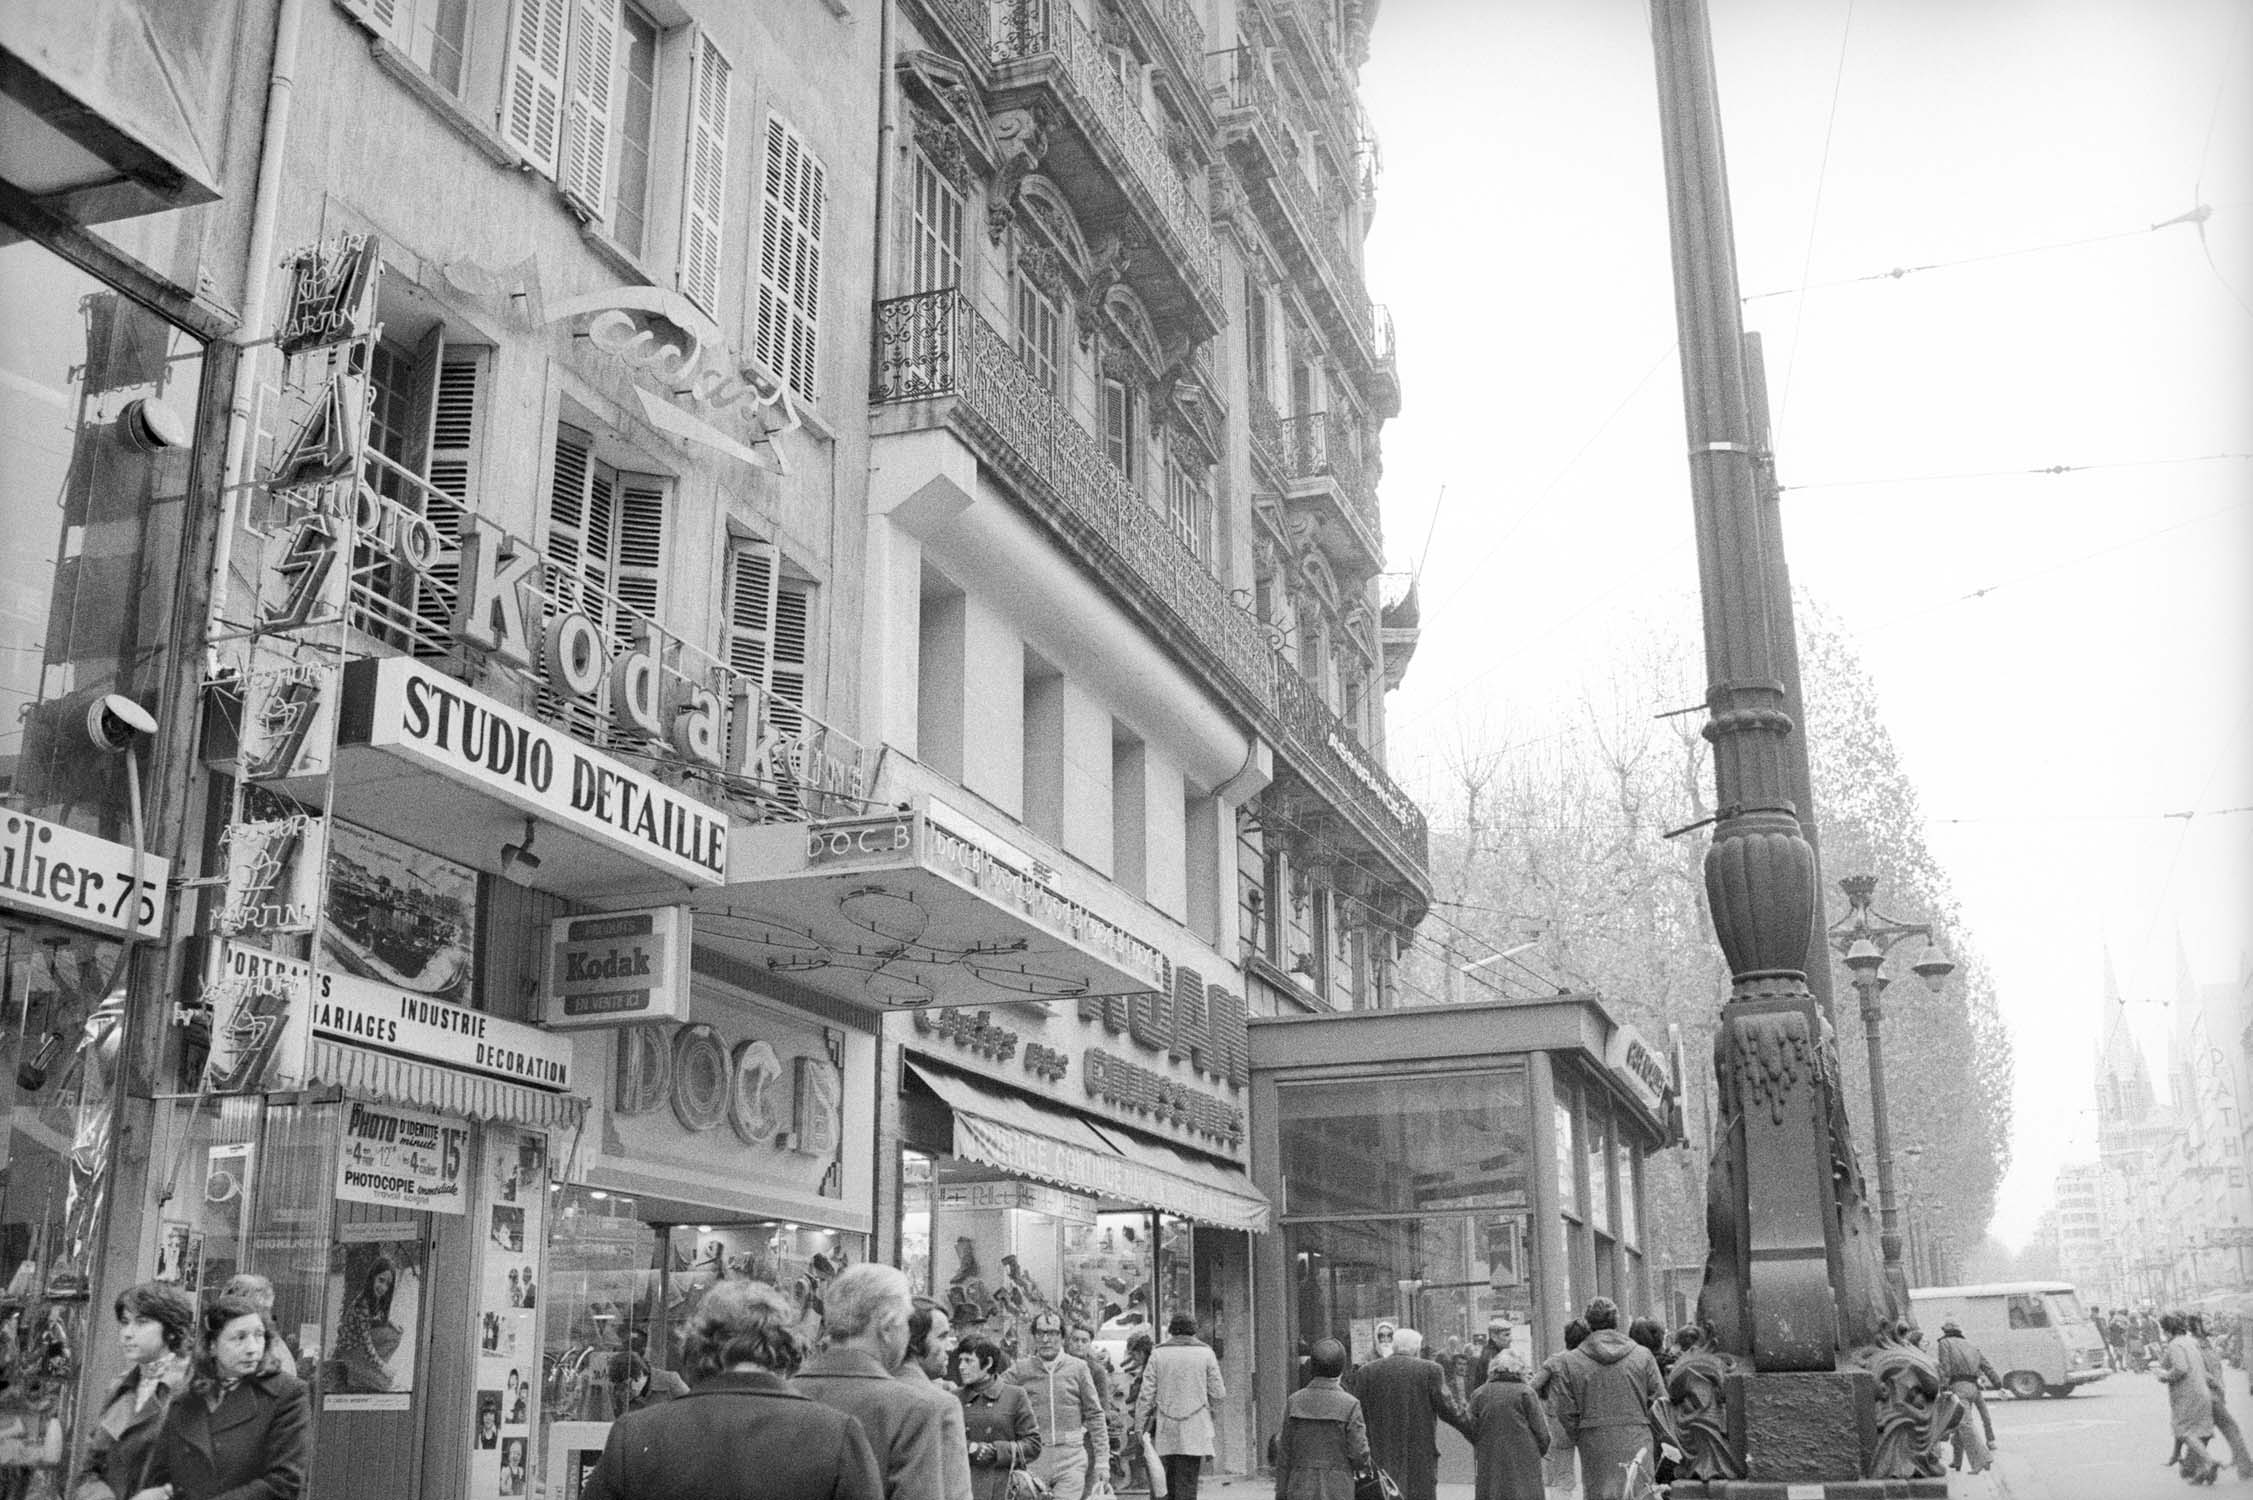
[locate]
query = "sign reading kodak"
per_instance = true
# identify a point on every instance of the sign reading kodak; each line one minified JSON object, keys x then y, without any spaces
{"x":617,"y":967}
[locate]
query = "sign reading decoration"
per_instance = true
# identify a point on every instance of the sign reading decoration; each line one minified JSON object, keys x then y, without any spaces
{"x":616,"y":968}
{"x":421,"y":715}
{"x":403,"y":1024}
{"x":403,"y":1159}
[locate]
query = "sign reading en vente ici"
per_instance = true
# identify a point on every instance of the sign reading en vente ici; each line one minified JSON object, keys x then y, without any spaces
{"x":419,"y":714}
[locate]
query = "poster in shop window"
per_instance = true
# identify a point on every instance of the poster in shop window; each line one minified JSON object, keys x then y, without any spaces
{"x":402,"y":1158}
{"x":375,"y":1300}
{"x":512,"y":1194}
{"x":399,"y":916}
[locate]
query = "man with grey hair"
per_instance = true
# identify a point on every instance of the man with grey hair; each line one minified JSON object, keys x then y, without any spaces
{"x":1405,"y":1398}
{"x":864,"y":1330}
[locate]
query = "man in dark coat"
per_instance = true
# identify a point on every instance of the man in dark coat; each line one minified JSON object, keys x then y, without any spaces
{"x":864,"y":1322}
{"x":1604,"y":1396}
{"x":741,"y":1433}
{"x":1405,"y":1397}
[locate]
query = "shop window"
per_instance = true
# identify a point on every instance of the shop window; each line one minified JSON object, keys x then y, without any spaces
{"x":1405,"y":1144}
{"x":1630,"y":1204}
{"x":1444,"y":1274}
{"x":1599,"y":1172}
{"x":93,"y":513}
{"x":1568,"y":1165}
{"x":935,"y":235}
{"x":606,"y":557}
{"x":788,"y":333}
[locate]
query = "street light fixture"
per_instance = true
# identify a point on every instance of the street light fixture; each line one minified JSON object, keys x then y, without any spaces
{"x":1863,"y":937}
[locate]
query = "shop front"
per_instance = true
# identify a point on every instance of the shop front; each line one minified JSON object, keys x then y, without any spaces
{"x":1440,"y":1168}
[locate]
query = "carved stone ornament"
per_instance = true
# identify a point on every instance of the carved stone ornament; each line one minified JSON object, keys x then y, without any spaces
{"x":1697,"y":1397}
{"x":945,"y":103}
{"x":1044,"y":268}
{"x":941,"y":145}
{"x":1020,"y":142}
{"x":1915,"y":1409}
{"x":1774,"y":1057}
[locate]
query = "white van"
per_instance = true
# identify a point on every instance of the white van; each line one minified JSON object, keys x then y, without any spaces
{"x":2033,"y":1332}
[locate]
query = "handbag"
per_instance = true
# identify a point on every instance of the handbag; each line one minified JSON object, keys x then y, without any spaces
{"x":1374,"y":1483}
{"x":1155,"y":1466}
{"x":1024,"y":1484}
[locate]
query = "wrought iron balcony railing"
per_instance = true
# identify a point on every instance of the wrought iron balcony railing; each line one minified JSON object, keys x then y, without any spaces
{"x":1265,"y":429}
{"x":1317,"y":446}
{"x":1178,"y":23}
{"x":1239,"y":76}
{"x":1317,"y":740}
{"x":937,"y":344}
{"x":1028,"y":29}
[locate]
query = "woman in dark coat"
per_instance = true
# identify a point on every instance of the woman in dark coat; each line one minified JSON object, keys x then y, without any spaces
{"x":155,"y":1322}
{"x":1325,"y":1438}
{"x":1511,"y":1434}
{"x":242,"y":1428}
{"x":997,"y":1418}
{"x":742,"y":1432}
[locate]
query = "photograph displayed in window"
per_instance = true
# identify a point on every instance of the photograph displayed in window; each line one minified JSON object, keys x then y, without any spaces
{"x":1405,"y":1145}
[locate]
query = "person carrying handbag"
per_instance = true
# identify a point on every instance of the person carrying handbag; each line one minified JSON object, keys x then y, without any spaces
{"x":1180,"y":1388}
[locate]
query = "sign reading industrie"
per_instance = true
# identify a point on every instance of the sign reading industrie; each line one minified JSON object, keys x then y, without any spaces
{"x":419,"y":714}
{"x":77,"y":879}
{"x":376,"y":1016}
{"x":617,"y":967}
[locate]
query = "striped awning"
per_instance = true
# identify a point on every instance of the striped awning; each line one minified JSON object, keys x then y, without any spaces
{"x":376,"y":1075}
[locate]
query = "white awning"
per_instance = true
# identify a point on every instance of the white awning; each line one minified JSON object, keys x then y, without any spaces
{"x":376,"y":1075}
{"x":1031,"y":1139}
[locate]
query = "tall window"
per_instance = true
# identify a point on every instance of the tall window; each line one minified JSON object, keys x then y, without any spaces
{"x":637,"y":117}
{"x":1257,"y":349}
{"x":767,"y":628}
{"x":606,"y":555}
{"x":1189,"y":504}
{"x":1040,"y":335}
{"x":1119,"y":444}
{"x":789,"y":325}
{"x":935,"y":238}
{"x":704,"y":188}
{"x":432,"y":33}
{"x":424,"y":416}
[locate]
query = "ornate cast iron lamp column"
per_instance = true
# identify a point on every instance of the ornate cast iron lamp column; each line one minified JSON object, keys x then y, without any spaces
{"x":1863,"y":937}
{"x":1794,"y":1287}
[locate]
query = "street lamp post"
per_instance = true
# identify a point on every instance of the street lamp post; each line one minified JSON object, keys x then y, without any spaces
{"x":1863,"y":937}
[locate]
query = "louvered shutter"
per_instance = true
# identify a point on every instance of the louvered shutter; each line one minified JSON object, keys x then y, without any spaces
{"x":788,"y":338}
{"x":749,"y":603}
{"x":639,"y":570}
{"x":379,"y":16}
{"x":578,"y":549}
{"x":705,"y":197}
{"x":532,"y":87}
{"x":595,"y":29}
{"x":454,"y":426}
{"x":787,"y":669}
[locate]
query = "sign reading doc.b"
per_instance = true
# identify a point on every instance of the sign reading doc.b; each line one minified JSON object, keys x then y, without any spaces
{"x":419,"y":714}
{"x":616,"y":968}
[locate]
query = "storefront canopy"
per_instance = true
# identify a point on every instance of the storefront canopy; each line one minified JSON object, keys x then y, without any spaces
{"x":376,"y":1075}
{"x":1032,"y":1139}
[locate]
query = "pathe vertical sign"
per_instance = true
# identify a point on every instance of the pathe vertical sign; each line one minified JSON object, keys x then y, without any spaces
{"x":617,"y":968}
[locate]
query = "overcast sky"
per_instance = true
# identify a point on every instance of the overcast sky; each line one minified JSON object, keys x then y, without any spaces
{"x":2062,"y":659}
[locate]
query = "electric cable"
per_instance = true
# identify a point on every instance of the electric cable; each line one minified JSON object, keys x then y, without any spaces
{"x":2043,"y":472}
{"x":1814,"y":215}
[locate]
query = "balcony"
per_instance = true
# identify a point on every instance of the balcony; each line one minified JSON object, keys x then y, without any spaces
{"x":1330,"y":760}
{"x":936,"y":345}
{"x":943,"y":365}
{"x":1384,"y":371}
{"x":1265,"y":429}
{"x":1267,"y":158}
{"x":1107,"y":154}
{"x":1179,"y":33}
{"x":1323,"y":474}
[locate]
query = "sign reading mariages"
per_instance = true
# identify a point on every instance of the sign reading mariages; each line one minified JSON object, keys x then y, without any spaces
{"x":402,"y":1158}
{"x":613,"y":968}
{"x":80,"y":880}
{"x":404,"y":1024}
{"x":398,"y":704}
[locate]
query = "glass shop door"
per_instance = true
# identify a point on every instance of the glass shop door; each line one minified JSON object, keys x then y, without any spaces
{"x":370,"y":1396}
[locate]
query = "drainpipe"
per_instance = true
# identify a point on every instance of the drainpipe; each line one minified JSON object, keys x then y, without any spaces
{"x":886,"y":128}
{"x":257,"y":313}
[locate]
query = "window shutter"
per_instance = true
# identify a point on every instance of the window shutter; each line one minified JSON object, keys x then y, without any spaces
{"x":595,"y":29}
{"x":789,"y":665}
{"x":788,"y":339}
{"x":641,"y":547}
{"x":454,"y":427}
{"x":749,"y":605}
{"x":532,"y":90}
{"x":379,"y":16}
{"x":705,"y":197}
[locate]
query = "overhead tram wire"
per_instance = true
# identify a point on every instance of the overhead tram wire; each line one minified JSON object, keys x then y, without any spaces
{"x":1814,"y":214}
{"x":2045,"y":471}
{"x":2230,"y":55}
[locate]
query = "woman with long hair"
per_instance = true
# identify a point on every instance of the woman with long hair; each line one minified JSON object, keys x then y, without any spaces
{"x":243,"y":1425}
{"x":156,"y":1322}
{"x":366,"y":1338}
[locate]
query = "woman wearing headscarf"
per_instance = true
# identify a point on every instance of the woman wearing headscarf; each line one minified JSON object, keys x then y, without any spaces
{"x":1325,"y":1437}
{"x":1558,"y":1465}
{"x":156,"y":1322}
{"x":242,"y":1428}
{"x":1509,"y":1433}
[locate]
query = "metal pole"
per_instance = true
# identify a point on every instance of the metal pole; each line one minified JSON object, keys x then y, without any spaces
{"x":1870,"y":987}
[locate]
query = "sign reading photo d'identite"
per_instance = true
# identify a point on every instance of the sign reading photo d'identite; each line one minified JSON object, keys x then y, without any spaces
{"x":617,"y":968}
{"x":403,"y":1159}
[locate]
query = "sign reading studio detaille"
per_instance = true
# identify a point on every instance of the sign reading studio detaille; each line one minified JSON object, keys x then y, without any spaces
{"x":421,"y":715}
{"x":617,"y":968}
